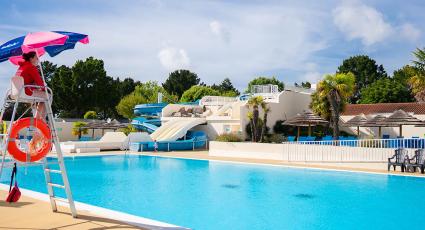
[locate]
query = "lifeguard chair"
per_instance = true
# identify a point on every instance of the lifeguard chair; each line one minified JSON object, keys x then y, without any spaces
{"x":16,"y":95}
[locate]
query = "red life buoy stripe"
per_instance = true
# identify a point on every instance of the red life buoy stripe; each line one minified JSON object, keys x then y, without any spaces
{"x":23,"y":123}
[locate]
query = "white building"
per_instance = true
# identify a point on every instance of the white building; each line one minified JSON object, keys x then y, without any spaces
{"x":230,"y":115}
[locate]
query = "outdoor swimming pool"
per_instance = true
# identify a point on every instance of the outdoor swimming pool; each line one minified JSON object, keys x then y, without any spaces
{"x":214,"y":195}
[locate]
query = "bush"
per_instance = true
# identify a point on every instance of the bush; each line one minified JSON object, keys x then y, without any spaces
{"x":228,"y":137}
{"x":128,"y":129}
{"x":78,"y":129}
{"x":90,"y":115}
{"x":275,"y":138}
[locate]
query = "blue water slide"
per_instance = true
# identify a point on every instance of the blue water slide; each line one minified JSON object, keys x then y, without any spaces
{"x":194,"y":140}
{"x":153,"y":109}
{"x":148,"y":125}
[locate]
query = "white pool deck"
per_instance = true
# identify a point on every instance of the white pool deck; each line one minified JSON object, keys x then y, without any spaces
{"x":33,"y":210}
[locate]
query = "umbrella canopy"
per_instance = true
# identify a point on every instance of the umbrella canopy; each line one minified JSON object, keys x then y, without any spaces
{"x":306,"y":118}
{"x":356,"y":121}
{"x":377,"y":121}
{"x":400,"y":118}
{"x":51,"y":42}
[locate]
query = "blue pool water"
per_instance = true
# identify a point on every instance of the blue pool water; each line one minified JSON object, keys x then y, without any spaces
{"x":214,"y":195}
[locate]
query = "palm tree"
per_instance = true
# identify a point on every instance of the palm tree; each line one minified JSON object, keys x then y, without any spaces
{"x":266,"y":110}
{"x":332,"y":95}
{"x":251,"y":124}
{"x":255,"y":102}
{"x":420,"y":58}
{"x":417,"y":82}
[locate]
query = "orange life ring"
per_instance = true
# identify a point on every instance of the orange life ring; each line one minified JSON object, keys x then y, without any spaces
{"x":23,"y":123}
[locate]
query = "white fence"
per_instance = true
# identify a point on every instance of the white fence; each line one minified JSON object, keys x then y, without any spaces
{"x":216,"y":100}
{"x":368,"y":150}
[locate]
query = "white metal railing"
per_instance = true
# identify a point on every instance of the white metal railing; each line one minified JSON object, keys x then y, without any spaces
{"x":299,"y":89}
{"x":264,"y":89}
{"x":365,"y":150}
{"x":216,"y":100}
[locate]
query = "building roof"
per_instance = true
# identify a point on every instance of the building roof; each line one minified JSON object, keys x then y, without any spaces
{"x":355,"y":109}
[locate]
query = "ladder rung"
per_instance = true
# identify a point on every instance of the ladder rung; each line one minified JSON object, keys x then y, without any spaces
{"x":56,"y":185}
{"x":53,"y":163}
{"x":60,"y":199}
{"x":53,"y":171}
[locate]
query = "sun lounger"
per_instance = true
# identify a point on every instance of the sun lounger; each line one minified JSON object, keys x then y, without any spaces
{"x":399,"y":158}
{"x":417,"y":161}
{"x":110,"y":141}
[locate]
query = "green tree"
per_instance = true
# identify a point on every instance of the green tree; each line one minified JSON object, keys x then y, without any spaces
{"x":305,"y":85}
{"x":336,"y":90}
{"x":417,"y":82}
{"x":385,"y":90}
{"x":179,"y":81}
{"x":197,"y":92}
{"x":226,"y":88}
{"x":404,"y":74}
{"x":265,"y":81}
{"x":365,"y":70}
{"x":144,"y":93}
{"x":78,"y":129}
{"x":90,"y":115}
{"x":85,"y":86}
{"x":49,"y":70}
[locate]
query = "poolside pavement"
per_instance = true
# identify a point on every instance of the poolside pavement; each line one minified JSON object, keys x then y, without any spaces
{"x":35,"y":214}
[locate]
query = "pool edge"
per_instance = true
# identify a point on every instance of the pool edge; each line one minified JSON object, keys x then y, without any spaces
{"x":134,"y":220}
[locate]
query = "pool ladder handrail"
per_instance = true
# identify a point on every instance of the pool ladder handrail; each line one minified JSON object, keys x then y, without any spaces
{"x":46,"y":165}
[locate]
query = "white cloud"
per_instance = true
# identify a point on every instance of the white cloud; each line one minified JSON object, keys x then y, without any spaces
{"x":172,"y":58}
{"x":218,"y":30}
{"x":409,"y":32}
{"x":311,"y":74}
{"x":359,"y":21}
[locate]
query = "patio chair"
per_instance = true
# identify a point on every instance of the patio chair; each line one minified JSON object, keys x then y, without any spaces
{"x":327,"y":138}
{"x":417,"y":161}
{"x":401,"y":157}
{"x":302,"y":138}
{"x":290,"y":138}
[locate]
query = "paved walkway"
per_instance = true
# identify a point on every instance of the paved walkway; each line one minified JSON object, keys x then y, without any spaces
{"x":30,"y":214}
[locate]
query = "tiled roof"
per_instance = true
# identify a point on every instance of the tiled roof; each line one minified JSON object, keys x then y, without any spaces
{"x":355,"y":109}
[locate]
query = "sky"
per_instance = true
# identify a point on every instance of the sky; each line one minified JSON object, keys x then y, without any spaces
{"x":294,"y":40}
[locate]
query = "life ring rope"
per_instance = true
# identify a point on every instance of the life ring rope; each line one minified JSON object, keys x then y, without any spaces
{"x":38,"y":154}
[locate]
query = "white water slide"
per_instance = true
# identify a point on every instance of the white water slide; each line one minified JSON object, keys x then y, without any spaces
{"x":175,"y":128}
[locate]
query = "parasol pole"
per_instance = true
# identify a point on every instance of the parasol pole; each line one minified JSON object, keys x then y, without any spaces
{"x":44,"y":80}
{"x":298,"y":133}
{"x":400,"y":131}
{"x":379,"y":132}
{"x":358,"y":131}
{"x":309,"y":129}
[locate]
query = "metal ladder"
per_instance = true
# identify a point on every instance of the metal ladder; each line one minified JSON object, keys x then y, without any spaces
{"x":46,"y":164}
